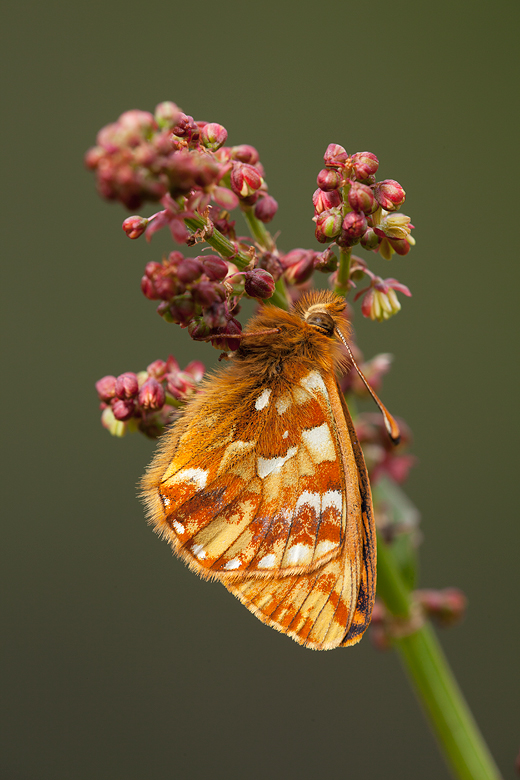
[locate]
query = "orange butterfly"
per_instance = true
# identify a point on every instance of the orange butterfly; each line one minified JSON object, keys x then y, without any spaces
{"x":262,"y":483}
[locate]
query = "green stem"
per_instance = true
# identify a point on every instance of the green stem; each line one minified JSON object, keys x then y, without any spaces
{"x":423,"y":658}
{"x":343,"y":277}
{"x":258,"y":229}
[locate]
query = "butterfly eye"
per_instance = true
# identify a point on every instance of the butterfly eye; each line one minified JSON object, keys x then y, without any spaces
{"x":322,"y":321}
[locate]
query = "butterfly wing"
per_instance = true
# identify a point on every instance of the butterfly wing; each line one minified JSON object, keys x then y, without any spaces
{"x":267,"y":499}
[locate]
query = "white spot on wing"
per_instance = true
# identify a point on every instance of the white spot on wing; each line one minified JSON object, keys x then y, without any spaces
{"x":285,"y":434}
{"x":283,"y":403}
{"x":266,"y":466}
{"x":166,"y":501}
{"x":178,"y":527}
{"x":309,"y":499}
{"x":319,"y":443}
{"x":298,"y":553}
{"x":198,"y":551}
{"x":263,"y":399}
{"x":332,"y":498}
{"x":234,"y":563}
{"x":324,"y":547}
{"x":267,"y":562}
{"x":312,"y":382}
{"x":198,"y":476}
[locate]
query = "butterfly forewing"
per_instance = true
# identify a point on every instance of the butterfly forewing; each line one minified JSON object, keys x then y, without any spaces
{"x":270,"y":503}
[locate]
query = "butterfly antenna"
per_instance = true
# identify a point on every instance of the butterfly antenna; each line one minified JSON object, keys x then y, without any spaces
{"x":390,"y":423}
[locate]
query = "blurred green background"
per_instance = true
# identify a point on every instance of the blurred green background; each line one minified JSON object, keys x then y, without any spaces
{"x":119,"y":662}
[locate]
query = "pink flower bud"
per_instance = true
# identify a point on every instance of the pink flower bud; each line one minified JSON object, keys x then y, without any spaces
{"x":300,"y":271}
{"x":329,"y":179}
{"x":323,"y":201}
{"x":389,"y":194}
{"x":326,"y":261}
{"x":157,"y":369}
{"x":259,"y":283}
{"x":216,"y":315}
{"x":245,"y":153}
{"x":151,"y":395}
{"x":126,"y":386}
{"x":106,"y":388}
{"x":166,"y":286}
{"x":198,"y":329}
{"x":266,"y":208}
{"x":400,"y":245}
{"x":370,"y":240}
{"x":123,"y":409}
{"x":189,"y":270}
{"x":167,"y":114}
{"x":225,"y":198}
{"x":214,"y":267}
{"x":245,"y":179}
{"x":364,"y":164}
{"x":329,"y":224}
{"x":135,"y":226}
{"x":271,"y":263}
{"x":335,"y":155}
{"x":213,"y":136}
{"x":207,"y":293}
{"x":353,"y":227}
{"x":182,"y":308}
{"x":361,"y":198}
{"x":148,"y":289}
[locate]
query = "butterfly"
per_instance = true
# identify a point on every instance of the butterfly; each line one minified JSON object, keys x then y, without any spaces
{"x":262,"y":484}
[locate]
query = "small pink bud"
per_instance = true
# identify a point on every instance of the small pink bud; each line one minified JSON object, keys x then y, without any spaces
{"x":370,"y":240}
{"x":329,"y":179}
{"x":157,"y":369}
{"x":214,"y":267}
{"x":123,"y":409}
{"x":259,"y":283}
{"x":361,"y":198}
{"x":245,"y":153}
{"x":126,"y":386}
{"x":196,"y":369}
{"x":148,"y":289}
{"x":213,"y":136}
{"x":389,"y":194}
{"x":189,"y":270}
{"x":135,"y":226}
{"x":353,"y":227}
{"x":198,"y":329}
{"x":167,"y":114}
{"x":364,"y":164}
{"x":216,"y":315}
{"x":335,"y":155}
{"x":207,"y":293}
{"x":225,"y":198}
{"x":182,"y":308}
{"x":326,"y":261}
{"x":301,"y":270}
{"x":106,"y":387}
{"x":245,"y":179}
{"x":266,"y":208}
{"x":323,"y":201}
{"x":151,"y":395}
{"x":329,"y":223}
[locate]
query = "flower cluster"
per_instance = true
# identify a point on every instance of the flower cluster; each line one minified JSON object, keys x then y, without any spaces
{"x":148,"y":400}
